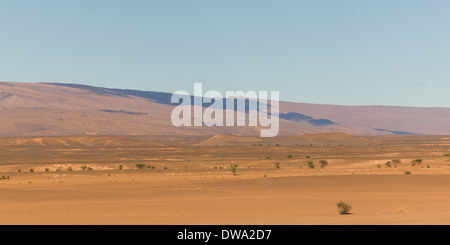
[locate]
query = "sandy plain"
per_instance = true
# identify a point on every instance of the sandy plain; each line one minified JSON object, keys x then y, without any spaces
{"x":191,"y":182}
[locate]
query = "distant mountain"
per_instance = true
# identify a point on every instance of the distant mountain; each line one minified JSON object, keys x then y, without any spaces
{"x":45,"y":109}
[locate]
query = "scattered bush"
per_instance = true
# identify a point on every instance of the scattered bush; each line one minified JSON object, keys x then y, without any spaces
{"x":307,"y":156}
{"x":311,"y":164}
{"x":343,"y":208}
{"x":396,"y":161}
{"x":289,"y":156}
{"x":31,"y":170}
{"x":165,"y":168}
{"x":416,"y":162}
{"x":407,"y":172}
{"x":84,"y":168}
{"x":140,"y":165}
{"x":233,"y":168}
{"x":388,"y":164}
{"x":46,"y":169}
{"x":428,"y":166}
{"x":378,"y":166}
{"x":19,"y":170}
{"x":323,"y":163}
{"x":277,"y":165}
{"x":90,"y":169}
{"x":120,"y":167}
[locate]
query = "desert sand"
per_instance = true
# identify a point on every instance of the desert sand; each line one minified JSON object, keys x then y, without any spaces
{"x":187,"y":180}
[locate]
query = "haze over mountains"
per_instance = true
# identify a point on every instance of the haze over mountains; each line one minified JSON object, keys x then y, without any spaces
{"x":44,"y":109}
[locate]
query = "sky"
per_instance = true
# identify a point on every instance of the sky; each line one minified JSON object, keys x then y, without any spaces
{"x":394,"y":52}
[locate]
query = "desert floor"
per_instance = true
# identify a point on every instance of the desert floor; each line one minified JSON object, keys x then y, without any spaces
{"x":192,"y":184}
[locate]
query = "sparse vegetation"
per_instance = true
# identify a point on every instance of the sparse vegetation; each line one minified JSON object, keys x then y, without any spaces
{"x":46,"y":169}
{"x":84,"y":168}
{"x":165,"y":168}
{"x":277,"y":165}
{"x":388,"y":164}
{"x":323,"y":163}
{"x":90,"y":169}
{"x":289,"y":156}
{"x":120,"y":167}
{"x":416,"y":162}
{"x":233,"y":168}
{"x":140,"y":165}
{"x":428,"y":166}
{"x":31,"y":170}
{"x":307,"y":156}
{"x":407,"y":172}
{"x":343,"y":208}
{"x":69,"y":169}
{"x":19,"y":170}
{"x":396,"y":161}
{"x":311,"y":164}
{"x":378,"y":166}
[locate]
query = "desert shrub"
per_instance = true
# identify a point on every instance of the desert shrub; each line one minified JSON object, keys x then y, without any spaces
{"x":416,"y":162}
{"x":277,"y":165}
{"x":233,"y":168}
{"x":31,"y":170}
{"x":407,"y":172}
{"x":120,"y":167}
{"x":19,"y":170}
{"x":311,"y":164}
{"x":165,"y":168}
{"x":267,"y":157}
{"x":378,"y":166}
{"x":289,"y":156}
{"x":140,"y":165}
{"x":84,"y":168}
{"x":396,"y":161}
{"x":428,"y":166}
{"x":307,"y":156}
{"x":323,"y":163}
{"x":46,"y":169}
{"x":343,"y":208}
{"x":69,"y":169}
{"x":447,"y":155}
{"x":90,"y":169}
{"x":388,"y":164}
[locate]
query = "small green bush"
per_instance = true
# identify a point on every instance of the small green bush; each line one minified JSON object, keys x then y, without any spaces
{"x":277,"y":165}
{"x":311,"y":164}
{"x":140,"y":165}
{"x":343,"y":208}
{"x":407,"y":172}
{"x":233,"y":168}
{"x":323,"y":163}
{"x":416,"y":162}
{"x":289,"y":156}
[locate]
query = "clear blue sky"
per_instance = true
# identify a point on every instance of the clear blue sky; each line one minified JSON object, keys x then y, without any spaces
{"x":329,"y":52}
